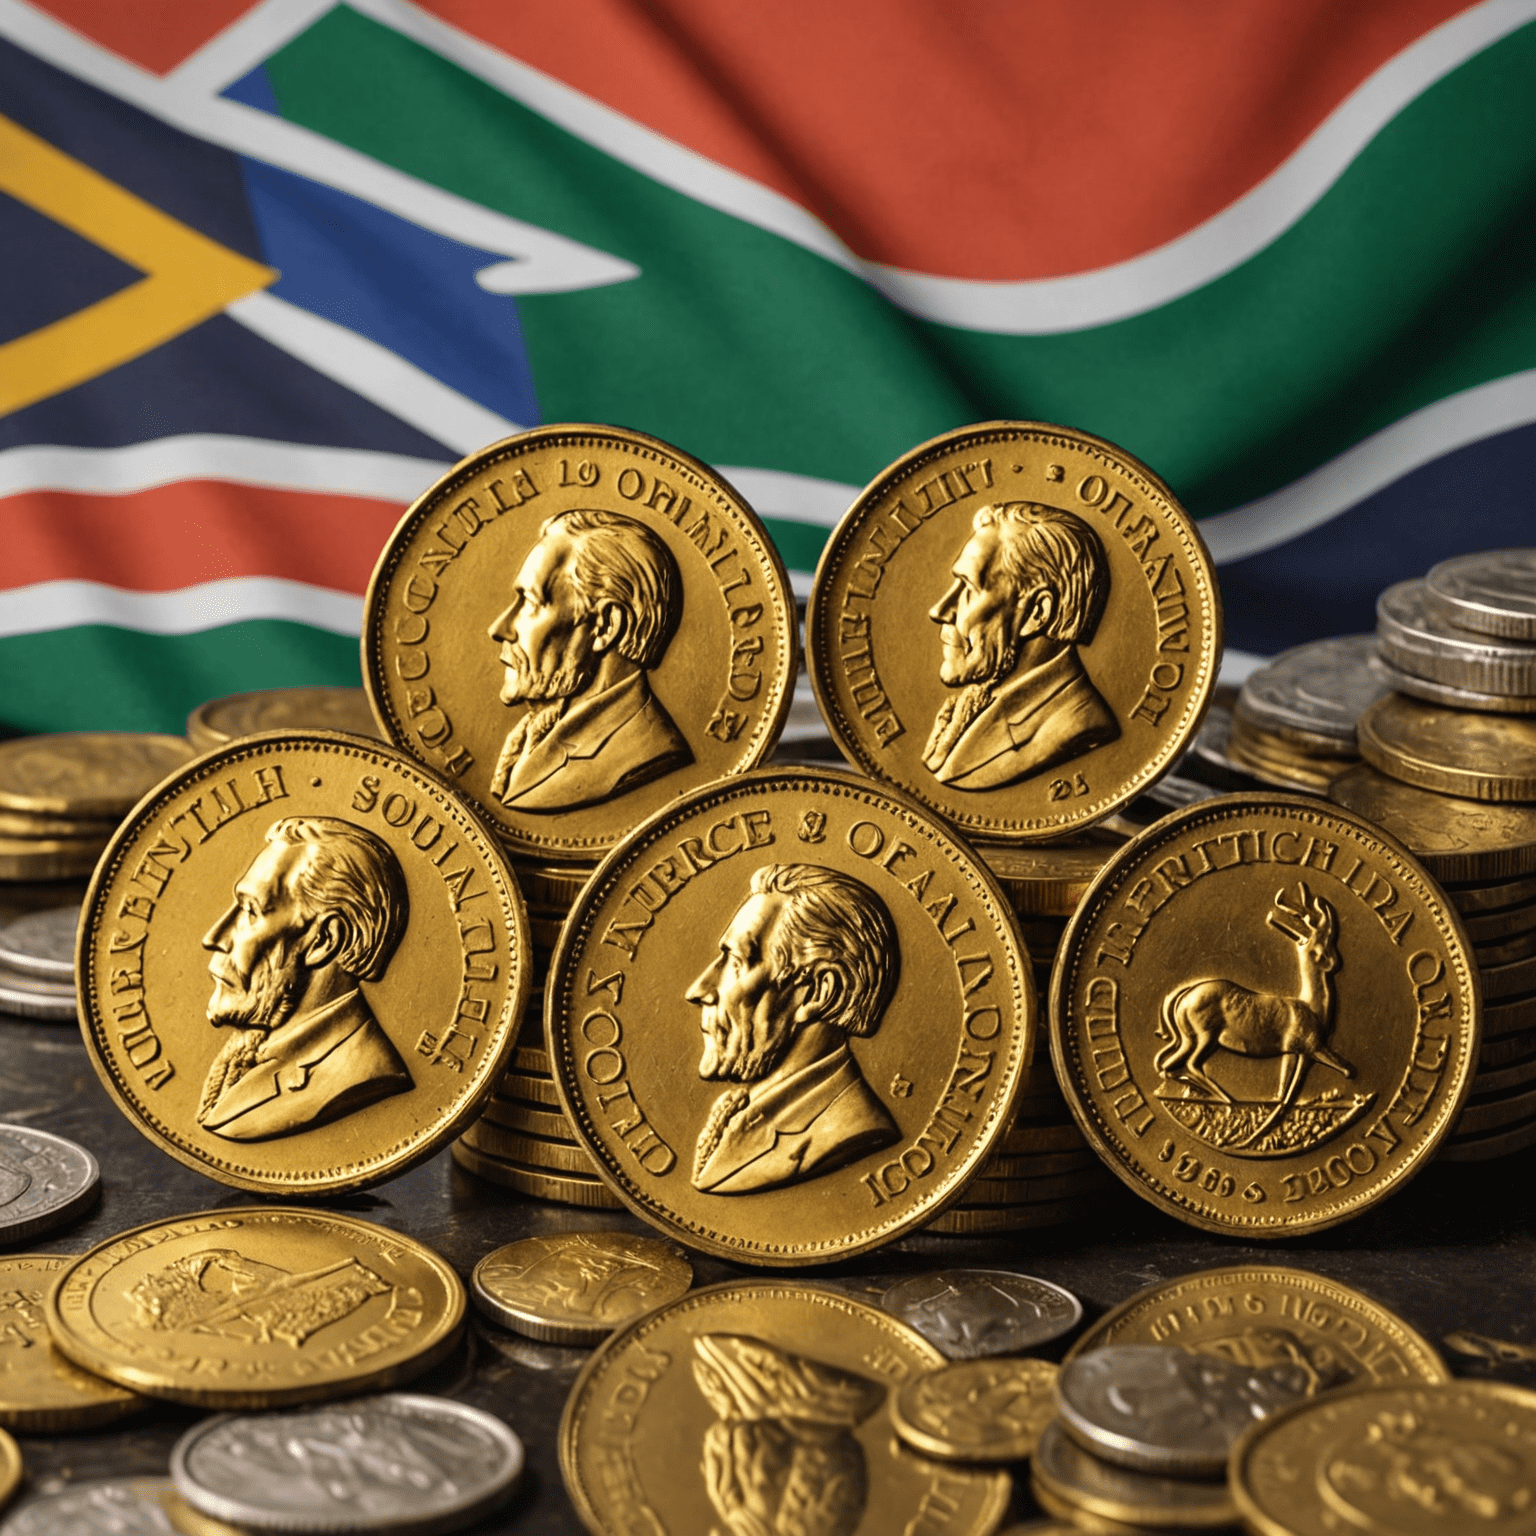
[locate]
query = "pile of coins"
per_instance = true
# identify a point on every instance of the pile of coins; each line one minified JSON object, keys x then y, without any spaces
{"x":221,"y":721}
{"x":37,"y":964}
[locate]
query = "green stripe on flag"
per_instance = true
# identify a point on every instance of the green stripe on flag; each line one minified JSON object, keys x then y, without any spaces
{"x":101,"y":678}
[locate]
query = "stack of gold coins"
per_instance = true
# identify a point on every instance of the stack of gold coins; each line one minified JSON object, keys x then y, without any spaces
{"x":1483,"y":853}
{"x":1044,"y":1171}
{"x":1294,"y":722}
{"x":61,"y":797}
{"x":523,"y":1139}
{"x":221,"y":721}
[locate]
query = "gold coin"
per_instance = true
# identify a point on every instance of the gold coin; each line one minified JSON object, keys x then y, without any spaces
{"x":1018,"y":624}
{"x":576,"y":625}
{"x":1262,"y":1315}
{"x":531,"y":1090}
{"x":1503,"y":1019}
{"x":1025,"y":1165}
{"x":47,"y":858}
{"x":1497,"y":1113}
{"x":513,"y":1116}
{"x":1305,"y":1058}
{"x":1451,"y":751}
{"x":80,"y":774}
{"x":976,"y":1221}
{"x":577,"y":1287}
{"x":564,"y":1188}
{"x":534,"y":1151}
{"x":557,"y":888}
{"x":976,"y":1410}
{"x":1479,"y":1149}
{"x":1488,"y":898}
{"x":26,"y":828}
{"x":1501,"y":1052}
{"x":531,"y":1058}
{"x":1519,"y":947}
{"x":1070,"y":1482}
{"x":40,"y":1391}
{"x":1489,"y":1080}
{"x":545,"y":932}
{"x":10,"y":1468}
{"x":1393,"y":1461}
{"x":763,"y":1400}
{"x":1062,"y":1136}
{"x":256,"y":1307}
{"x":1273,"y":760}
{"x":302,"y":962}
{"x":1516,"y":979}
{"x":1006,"y":1189}
{"x":1501,"y":923}
{"x":849,"y":976}
{"x":1454,"y":838}
{"x":221,"y":721}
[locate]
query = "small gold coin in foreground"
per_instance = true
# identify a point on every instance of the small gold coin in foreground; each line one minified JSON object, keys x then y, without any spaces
{"x":301,"y":964}
{"x":220,"y":721}
{"x":789,"y":1017}
{"x":1018,"y":624}
{"x":576,"y":625}
{"x":40,"y":1390}
{"x":1393,"y":1461}
{"x":742,"y":1406}
{"x":10,"y":1468}
{"x":85,"y":773}
{"x":977,"y":1410}
{"x":577,"y":1287}
{"x":1304,"y":1058}
{"x":256,"y":1307}
{"x":1262,"y":1315}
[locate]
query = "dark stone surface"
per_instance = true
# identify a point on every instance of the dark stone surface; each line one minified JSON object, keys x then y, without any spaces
{"x":1453,"y":1252}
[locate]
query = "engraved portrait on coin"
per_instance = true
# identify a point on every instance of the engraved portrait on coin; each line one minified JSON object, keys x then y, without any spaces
{"x":595,"y":605}
{"x":1018,"y":624}
{"x":321,"y":909}
{"x":576,"y":625}
{"x":302,"y":963}
{"x":782,"y":1443}
{"x":789,"y":1016}
{"x":1027,"y":590}
{"x":805,"y":967}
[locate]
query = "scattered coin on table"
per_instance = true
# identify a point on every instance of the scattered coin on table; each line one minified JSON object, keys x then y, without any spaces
{"x":989,"y":1410}
{"x":577,"y":1287}
{"x":400,"y":1462}
{"x":108,"y":1506}
{"x":1160,"y":1409}
{"x":45,"y":1182}
{"x":969,"y":1313}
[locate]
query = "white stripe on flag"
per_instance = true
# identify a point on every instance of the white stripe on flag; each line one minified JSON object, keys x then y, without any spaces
{"x":796,"y":498}
{"x":50,"y":605}
{"x":238,"y":460}
{"x":1371,"y":466}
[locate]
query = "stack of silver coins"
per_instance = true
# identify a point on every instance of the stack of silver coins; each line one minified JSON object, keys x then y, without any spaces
{"x":37,"y":965}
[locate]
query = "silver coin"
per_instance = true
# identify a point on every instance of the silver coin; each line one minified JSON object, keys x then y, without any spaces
{"x":33,"y":998}
{"x":114,"y":1506}
{"x":1162,"y":1410}
{"x":1491,"y":593}
{"x":972,"y":1313}
{"x":42,"y":944}
{"x":44,"y":1181}
{"x":1412,"y":640}
{"x":1319,"y":689}
{"x":1431,"y":692}
{"x":400,"y":1462}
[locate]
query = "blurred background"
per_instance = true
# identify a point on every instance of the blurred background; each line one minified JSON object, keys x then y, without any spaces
{"x":271,"y":268}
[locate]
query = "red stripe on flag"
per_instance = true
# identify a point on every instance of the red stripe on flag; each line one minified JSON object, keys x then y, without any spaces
{"x":157,"y":34}
{"x":194,"y":531}
{"x":990,"y":139}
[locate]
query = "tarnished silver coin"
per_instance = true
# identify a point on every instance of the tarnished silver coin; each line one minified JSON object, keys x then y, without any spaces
{"x":400,"y":1462}
{"x":1316,"y":691}
{"x":1431,"y":692}
{"x":111,"y":1506}
{"x":1490,"y":593}
{"x":44,"y":1181}
{"x":1412,"y":639}
{"x":30,"y":997}
{"x":971,"y":1313}
{"x":42,"y":944}
{"x":1162,"y":1410}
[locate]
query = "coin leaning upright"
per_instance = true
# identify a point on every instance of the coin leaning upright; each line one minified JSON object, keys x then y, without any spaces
{"x":789,"y":1017}
{"x":575,"y":625}
{"x":1306,"y":1057}
{"x":302,"y":962}
{"x":1018,"y":624}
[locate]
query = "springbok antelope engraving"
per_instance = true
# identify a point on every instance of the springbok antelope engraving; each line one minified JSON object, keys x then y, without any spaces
{"x":1204,"y":1016}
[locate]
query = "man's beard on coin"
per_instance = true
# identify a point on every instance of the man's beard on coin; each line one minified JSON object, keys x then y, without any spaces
{"x":265,"y":1000}
{"x":741,"y":1050}
{"x":521,"y":683}
{"x":986,"y":657}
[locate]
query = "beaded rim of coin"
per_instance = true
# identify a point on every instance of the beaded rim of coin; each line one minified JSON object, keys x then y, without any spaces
{"x":1034,"y":1378}
{"x":90,"y":1342}
{"x":1228,"y":1204}
{"x":1492,"y":592}
{"x":552,"y":1324}
{"x":42,"y":943}
{"x":1404,"y":1404}
{"x":440,"y":1416}
{"x":70,"y":1161}
{"x":993,"y":813}
{"x":907,"y":1299}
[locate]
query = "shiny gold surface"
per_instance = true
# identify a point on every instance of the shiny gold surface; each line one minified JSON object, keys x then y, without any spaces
{"x":977,"y":1410}
{"x":1451,"y":751}
{"x":84,"y":773}
{"x":220,"y":721}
